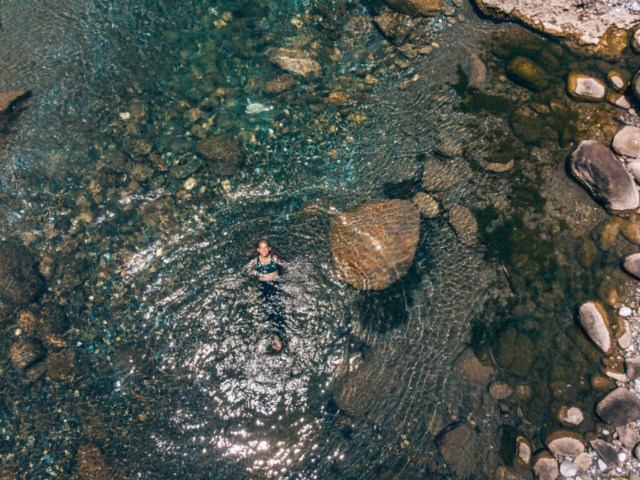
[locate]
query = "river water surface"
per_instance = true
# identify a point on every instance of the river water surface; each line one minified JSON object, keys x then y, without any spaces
{"x":173,"y":374}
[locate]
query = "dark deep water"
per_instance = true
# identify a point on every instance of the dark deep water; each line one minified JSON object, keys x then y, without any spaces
{"x":142,"y":245}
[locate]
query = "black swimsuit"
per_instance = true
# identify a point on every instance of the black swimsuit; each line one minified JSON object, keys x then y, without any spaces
{"x":271,"y":297}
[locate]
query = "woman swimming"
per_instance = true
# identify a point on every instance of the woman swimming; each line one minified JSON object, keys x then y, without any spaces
{"x":266,"y":265}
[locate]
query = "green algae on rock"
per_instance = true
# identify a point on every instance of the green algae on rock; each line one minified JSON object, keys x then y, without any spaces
{"x":527,"y":73}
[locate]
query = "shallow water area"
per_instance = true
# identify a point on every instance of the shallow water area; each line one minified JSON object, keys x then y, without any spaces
{"x":144,"y":243}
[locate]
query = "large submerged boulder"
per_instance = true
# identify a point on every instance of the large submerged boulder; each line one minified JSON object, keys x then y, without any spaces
{"x":296,"y":61}
{"x":459,"y":445}
{"x":423,"y":8}
{"x":528,"y":74}
{"x":603,"y":176}
{"x":585,"y":87}
{"x":373,"y":246}
{"x":20,"y":282}
{"x":225,"y":155}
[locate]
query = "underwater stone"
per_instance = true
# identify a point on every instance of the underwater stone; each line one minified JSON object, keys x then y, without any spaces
{"x":632,"y":368}
{"x":60,"y":365}
{"x":587,"y":252}
{"x":627,"y":142}
{"x":635,"y":85}
{"x":630,"y":231}
{"x":514,"y":351}
{"x":20,"y":282}
{"x":294,"y":60}
{"x":527,"y":73}
{"x":583,"y":461}
{"x":619,"y":408}
{"x":497,"y":167}
{"x":46,"y":322}
{"x":471,"y":368}
{"x":439,"y":175}
{"x":226,"y":155}
{"x":459,"y":445}
{"x":424,"y":8}
{"x":584,"y":87}
{"x":564,"y":443}
{"x":545,"y":466}
{"x":91,"y":463}
{"x":463,"y":222}
{"x":595,"y":323}
{"x":282,"y":83}
{"x":374,"y":245}
{"x":605,"y":451}
{"x":25,"y":352}
{"x":500,"y":390}
{"x":8,"y":99}
{"x":426,"y":205}
{"x":476,"y":71}
{"x":603,"y":176}
{"x":606,"y":233}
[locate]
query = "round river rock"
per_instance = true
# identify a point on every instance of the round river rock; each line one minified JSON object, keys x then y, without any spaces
{"x":603,"y":176}
{"x":373,"y":246}
{"x":627,"y":142}
{"x":619,"y":408}
{"x":20,"y":283}
{"x":225,"y":155}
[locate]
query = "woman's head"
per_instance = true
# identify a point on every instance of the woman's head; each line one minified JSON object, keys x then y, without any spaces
{"x":264,"y":248}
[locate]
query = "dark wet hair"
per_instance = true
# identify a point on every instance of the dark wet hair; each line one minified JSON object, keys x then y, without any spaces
{"x":256,"y":243}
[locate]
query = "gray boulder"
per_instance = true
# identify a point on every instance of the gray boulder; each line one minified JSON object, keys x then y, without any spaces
{"x":20,"y":282}
{"x":619,"y":408}
{"x":603,"y":176}
{"x":631,"y":264}
{"x":605,"y":451}
{"x":564,"y":443}
{"x":459,"y":445}
{"x":627,"y":142}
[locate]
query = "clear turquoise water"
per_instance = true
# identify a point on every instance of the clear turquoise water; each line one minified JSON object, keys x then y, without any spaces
{"x":173,"y":377}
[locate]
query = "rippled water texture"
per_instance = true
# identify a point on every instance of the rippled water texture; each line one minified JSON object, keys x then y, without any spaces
{"x":174,"y":375}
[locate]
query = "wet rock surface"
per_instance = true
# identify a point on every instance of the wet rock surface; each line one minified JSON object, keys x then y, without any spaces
{"x":460,"y":446}
{"x":604,"y":177}
{"x":594,"y":321}
{"x":584,"y":87}
{"x":296,"y":61}
{"x":373,"y":246}
{"x":631,"y":264}
{"x":565,"y":443}
{"x":20,"y":282}
{"x":619,"y":407}
{"x":471,"y":368}
{"x":545,"y":466}
{"x":527,"y":73}
{"x":25,"y":352}
{"x":514,"y":351}
{"x":224,"y":154}
{"x":627,"y":142}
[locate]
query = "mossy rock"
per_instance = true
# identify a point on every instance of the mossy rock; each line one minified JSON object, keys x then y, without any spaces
{"x":514,"y":351}
{"x":587,"y":252}
{"x":527,"y":126}
{"x":528,"y":73}
{"x":606,"y":233}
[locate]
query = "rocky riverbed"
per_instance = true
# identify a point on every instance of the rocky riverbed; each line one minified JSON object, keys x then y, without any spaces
{"x":457,"y":201}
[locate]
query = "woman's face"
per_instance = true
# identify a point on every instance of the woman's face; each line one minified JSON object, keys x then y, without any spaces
{"x":264,"y":249}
